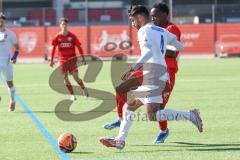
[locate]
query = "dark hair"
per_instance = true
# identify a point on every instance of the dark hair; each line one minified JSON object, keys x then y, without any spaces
{"x":138,"y":9}
{"x":2,"y":16}
{"x":162,"y":7}
{"x":64,"y":19}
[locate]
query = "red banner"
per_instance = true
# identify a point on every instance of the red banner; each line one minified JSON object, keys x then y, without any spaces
{"x":31,"y":41}
{"x":197,"y":39}
{"x":105,"y":41}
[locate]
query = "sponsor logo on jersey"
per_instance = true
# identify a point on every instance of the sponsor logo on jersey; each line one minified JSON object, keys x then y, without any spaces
{"x":69,"y":39}
{"x":65,"y":45}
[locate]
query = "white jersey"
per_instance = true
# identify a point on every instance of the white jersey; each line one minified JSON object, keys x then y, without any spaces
{"x":7,"y":39}
{"x":153,"y":42}
{"x":157,"y":39}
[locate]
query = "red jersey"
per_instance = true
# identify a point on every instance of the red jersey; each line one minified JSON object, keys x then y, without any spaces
{"x":66,"y":46}
{"x":172,"y":61}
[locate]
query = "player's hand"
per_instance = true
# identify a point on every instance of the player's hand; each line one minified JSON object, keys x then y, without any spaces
{"x":13,"y":61}
{"x":51,"y":64}
{"x":14,"y":57}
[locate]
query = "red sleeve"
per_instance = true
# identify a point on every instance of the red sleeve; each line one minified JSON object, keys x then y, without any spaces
{"x":54,"y":44}
{"x":78,"y":45}
{"x":54,"y":41}
{"x":175,"y":30}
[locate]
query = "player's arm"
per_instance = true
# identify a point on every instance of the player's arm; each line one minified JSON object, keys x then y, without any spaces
{"x":172,"y":43}
{"x":54,"y":46}
{"x":146,"y":54}
{"x":52,"y":56}
{"x":78,"y":44}
{"x":174,"y":30}
{"x":15,"y":44}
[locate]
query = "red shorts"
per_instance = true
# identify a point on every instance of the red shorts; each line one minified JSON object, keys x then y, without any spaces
{"x":69,"y":66}
{"x":169,"y":87}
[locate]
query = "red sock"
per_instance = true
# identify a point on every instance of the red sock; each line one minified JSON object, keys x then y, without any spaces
{"x":121,"y":99}
{"x":163,"y":125}
{"x":81,"y":84}
{"x":69,"y":87}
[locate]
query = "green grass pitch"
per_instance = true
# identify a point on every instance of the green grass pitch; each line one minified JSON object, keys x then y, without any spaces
{"x":211,"y":85}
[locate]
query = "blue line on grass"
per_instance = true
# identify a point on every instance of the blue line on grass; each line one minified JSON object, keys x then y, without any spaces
{"x":40,"y":126}
{"x":44,"y":131}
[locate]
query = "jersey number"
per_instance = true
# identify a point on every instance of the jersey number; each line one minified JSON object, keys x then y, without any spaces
{"x":162,"y":44}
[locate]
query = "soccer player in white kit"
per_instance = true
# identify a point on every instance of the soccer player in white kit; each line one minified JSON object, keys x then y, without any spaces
{"x":7,"y":40}
{"x":153,"y":41}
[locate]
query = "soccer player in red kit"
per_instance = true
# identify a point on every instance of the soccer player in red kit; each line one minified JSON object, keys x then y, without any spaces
{"x":66,"y":42}
{"x":160,"y":17}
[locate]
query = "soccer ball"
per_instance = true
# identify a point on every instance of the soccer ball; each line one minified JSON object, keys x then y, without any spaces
{"x":67,"y":142}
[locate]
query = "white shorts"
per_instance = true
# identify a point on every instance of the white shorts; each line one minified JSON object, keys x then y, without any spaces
{"x":150,"y":93}
{"x":7,"y":72}
{"x":147,"y":100}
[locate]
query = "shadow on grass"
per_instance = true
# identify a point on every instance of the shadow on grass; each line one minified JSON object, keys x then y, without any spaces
{"x":149,"y":151}
{"x":50,"y":112}
{"x":214,"y":149}
{"x":186,"y":146}
{"x":82,"y":153}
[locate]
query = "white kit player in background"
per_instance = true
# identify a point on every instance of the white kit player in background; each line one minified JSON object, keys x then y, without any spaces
{"x":153,"y":41}
{"x":7,"y":41}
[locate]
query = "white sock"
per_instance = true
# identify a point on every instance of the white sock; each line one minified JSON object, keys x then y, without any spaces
{"x":11,"y":92}
{"x":172,"y":115}
{"x":125,"y":125}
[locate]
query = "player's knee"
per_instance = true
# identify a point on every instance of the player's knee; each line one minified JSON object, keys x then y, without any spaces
{"x":119,"y":89}
{"x":10,"y":84}
{"x":66,"y":81}
{"x":131,"y":102}
{"x":76,"y":78}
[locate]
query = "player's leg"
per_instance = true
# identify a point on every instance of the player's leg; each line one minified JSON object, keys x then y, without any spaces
{"x":121,"y":98}
{"x":64,"y":71}
{"x":12,"y":92}
{"x":173,"y":115}
{"x":8,"y":75}
{"x":154,"y":113}
{"x":69,"y":86}
{"x":119,"y":142}
{"x":164,"y":131}
{"x":80,"y":82}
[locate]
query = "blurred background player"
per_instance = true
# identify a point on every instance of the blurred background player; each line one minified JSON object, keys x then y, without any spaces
{"x":7,"y":40}
{"x":151,"y":53}
{"x":66,"y":43}
{"x":160,"y":17}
